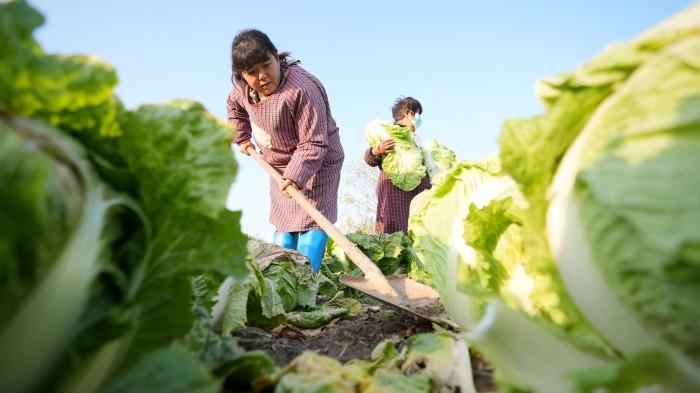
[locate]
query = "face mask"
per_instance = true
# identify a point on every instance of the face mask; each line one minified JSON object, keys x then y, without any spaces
{"x":417,"y":121}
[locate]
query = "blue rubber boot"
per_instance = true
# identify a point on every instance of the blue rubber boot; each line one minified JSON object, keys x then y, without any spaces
{"x":286,"y":239}
{"x":313,"y":244}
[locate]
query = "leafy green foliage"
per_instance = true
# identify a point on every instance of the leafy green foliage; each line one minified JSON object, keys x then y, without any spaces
{"x":438,"y":160}
{"x":74,"y":93}
{"x":576,"y":264}
{"x":403,"y":165}
{"x":391,"y":252}
{"x":316,"y":318}
{"x":432,"y":362}
{"x":113,"y":212}
{"x":166,"y":370}
{"x":279,"y":287}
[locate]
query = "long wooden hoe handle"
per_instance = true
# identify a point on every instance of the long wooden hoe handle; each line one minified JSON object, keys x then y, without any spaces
{"x":368,"y":267}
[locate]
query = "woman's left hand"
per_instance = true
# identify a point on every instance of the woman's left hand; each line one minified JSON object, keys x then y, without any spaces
{"x":287,"y":183}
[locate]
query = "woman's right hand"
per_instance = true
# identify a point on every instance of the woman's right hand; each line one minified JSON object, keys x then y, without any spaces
{"x":386,"y":146}
{"x":244,"y":147}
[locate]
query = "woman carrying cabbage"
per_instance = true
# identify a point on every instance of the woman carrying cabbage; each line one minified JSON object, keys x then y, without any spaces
{"x":402,"y":174}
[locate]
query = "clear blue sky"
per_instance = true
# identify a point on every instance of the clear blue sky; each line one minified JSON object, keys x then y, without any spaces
{"x":472,"y":64}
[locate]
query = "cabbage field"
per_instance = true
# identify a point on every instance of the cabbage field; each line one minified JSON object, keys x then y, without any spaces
{"x":569,"y":262}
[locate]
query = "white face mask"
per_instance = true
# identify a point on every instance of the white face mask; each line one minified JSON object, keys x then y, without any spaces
{"x":417,"y":121}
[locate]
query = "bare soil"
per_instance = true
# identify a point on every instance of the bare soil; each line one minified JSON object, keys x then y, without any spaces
{"x":347,"y":339}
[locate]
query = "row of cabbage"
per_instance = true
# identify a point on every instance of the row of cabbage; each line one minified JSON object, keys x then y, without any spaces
{"x":572,"y":259}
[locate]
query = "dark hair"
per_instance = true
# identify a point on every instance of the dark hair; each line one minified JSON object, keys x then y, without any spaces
{"x":250,"y":47}
{"x":403,"y":105}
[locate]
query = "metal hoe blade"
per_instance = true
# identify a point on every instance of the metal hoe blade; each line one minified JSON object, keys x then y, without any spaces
{"x":413,"y":297}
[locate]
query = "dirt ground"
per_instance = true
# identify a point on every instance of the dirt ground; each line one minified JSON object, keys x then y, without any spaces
{"x":346,"y":339}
